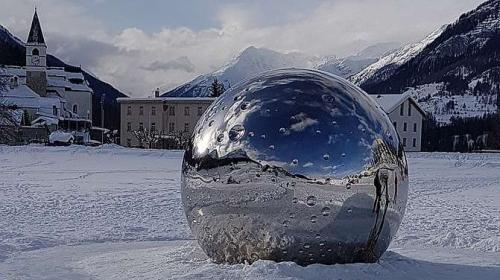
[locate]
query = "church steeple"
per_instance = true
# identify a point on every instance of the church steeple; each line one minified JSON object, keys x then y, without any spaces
{"x":36,"y":58}
{"x":36,"y":34}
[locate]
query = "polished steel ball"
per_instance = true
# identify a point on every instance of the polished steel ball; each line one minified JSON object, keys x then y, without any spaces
{"x":294,"y":165}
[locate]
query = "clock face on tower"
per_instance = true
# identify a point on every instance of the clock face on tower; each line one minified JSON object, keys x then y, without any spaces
{"x":35,"y":60}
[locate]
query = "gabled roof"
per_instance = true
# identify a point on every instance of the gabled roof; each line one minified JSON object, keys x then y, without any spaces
{"x":390,"y":102}
{"x":36,"y":34}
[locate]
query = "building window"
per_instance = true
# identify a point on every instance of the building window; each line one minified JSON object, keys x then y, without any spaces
{"x":141,"y":110}
{"x":153,"y":126}
{"x":405,"y":126}
{"x":171,"y":111}
{"x":395,"y":125}
{"x":129,"y":142}
{"x":35,"y":52}
{"x":402,"y":110}
{"x":171,"y":127}
{"x":54,"y":110}
{"x":414,"y":142}
{"x":129,"y":126}
{"x":141,"y":126}
{"x":129,"y":110}
{"x":409,"y":108}
{"x":186,"y":111}
{"x":186,"y":127}
{"x":200,"y":111}
{"x":404,"y":142}
{"x":415,"y":127}
{"x":153,"y":111}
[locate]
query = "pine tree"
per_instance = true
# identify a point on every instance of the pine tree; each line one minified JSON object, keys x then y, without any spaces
{"x":216,"y":88}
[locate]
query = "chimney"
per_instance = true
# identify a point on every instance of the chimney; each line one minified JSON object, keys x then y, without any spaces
{"x":14,"y":82}
{"x":157,"y":92}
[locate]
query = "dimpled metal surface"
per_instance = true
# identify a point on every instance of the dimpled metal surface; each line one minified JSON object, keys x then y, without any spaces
{"x":294,"y":165}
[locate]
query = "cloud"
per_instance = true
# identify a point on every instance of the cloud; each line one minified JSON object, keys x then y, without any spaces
{"x":181,"y":63}
{"x":308,"y":164}
{"x":138,"y":61}
{"x":80,"y":50}
{"x":304,"y":122}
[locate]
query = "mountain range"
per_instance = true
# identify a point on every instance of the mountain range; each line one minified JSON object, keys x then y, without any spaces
{"x":453,"y":73}
{"x":252,"y":61}
{"x":13,"y":51}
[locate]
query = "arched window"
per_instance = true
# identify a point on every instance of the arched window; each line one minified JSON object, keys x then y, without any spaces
{"x":35,"y":52}
{"x":75,"y":109}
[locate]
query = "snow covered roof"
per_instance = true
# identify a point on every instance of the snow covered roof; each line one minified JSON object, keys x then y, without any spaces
{"x":389,"y":102}
{"x":23,"y":97}
{"x":13,"y":71}
{"x":56,"y":77}
{"x":45,"y":120}
{"x":167,"y":99}
{"x":67,"y":84}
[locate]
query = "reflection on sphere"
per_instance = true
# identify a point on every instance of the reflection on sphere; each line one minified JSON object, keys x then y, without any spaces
{"x":294,"y":165}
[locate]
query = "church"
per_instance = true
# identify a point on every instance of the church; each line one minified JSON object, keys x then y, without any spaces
{"x":45,"y":94}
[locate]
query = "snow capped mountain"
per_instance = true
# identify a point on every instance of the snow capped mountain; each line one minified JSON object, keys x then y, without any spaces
{"x":254,"y":60}
{"x":387,"y":64}
{"x":379,"y":50}
{"x":344,"y":67}
{"x":454,"y":73}
{"x":247,"y":64}
{"x":351,"y":65}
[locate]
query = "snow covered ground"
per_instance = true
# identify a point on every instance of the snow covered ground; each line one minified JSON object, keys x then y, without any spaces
{"x":115,"y":213}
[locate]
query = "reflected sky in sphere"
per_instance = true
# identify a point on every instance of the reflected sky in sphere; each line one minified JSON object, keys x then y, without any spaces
{"x":309,"y":123}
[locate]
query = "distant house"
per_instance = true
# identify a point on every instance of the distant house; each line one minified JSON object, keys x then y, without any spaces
{"x":406,"y":116}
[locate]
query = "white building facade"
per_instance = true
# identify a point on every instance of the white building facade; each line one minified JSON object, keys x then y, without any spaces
{"x":406,"y":116}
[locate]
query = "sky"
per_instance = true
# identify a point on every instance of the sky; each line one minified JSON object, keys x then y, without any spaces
{"x":140,"y":45}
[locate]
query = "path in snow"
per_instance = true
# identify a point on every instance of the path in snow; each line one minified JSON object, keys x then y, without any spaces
{"x":115,"y":213}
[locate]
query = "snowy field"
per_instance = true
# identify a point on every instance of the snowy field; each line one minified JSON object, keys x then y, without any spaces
{"x":115,"y":213}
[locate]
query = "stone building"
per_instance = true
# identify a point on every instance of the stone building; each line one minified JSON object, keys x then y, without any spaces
{"x":406,"y":116}
{"x":166,"y":115}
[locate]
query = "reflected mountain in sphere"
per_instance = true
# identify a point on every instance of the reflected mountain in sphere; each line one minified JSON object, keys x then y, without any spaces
{"x":294,"y":165}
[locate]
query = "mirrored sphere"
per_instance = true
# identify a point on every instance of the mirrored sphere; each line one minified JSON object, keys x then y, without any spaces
{"x":294,"y":165}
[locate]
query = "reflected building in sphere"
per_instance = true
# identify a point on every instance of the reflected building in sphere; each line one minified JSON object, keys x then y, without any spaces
{"x":294,"y":165}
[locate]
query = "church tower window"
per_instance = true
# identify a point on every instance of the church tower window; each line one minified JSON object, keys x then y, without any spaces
{"x":35,"y":52}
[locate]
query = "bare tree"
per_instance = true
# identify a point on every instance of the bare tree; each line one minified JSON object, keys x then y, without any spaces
{"x":182,"y":139}
{"x":9,"y":118}
{"x":159,"y":139}
{"x":147,"y":137}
